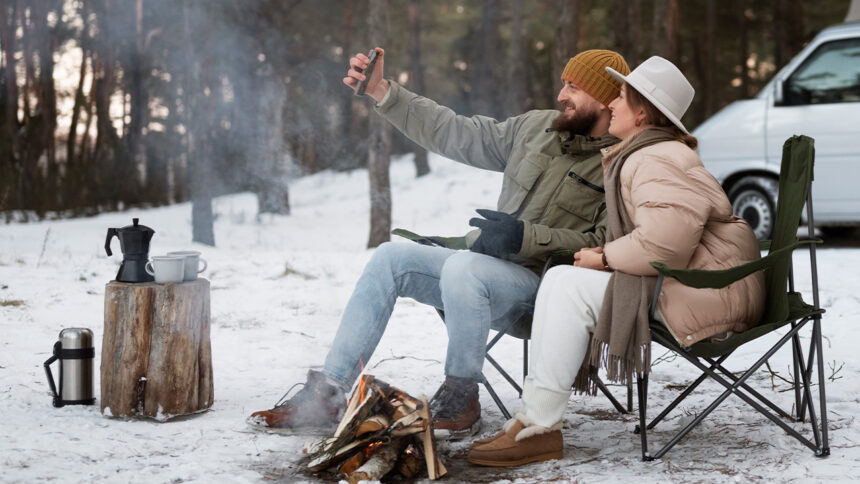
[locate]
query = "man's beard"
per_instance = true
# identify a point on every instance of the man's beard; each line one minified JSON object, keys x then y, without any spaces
{"x":580,"y":123}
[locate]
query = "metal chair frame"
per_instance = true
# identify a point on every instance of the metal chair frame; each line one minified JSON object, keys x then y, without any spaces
{"x":523,"y":314}
{"x":736,"y":385}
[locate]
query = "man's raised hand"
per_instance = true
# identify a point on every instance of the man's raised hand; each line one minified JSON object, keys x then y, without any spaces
{"x":377,"y":87}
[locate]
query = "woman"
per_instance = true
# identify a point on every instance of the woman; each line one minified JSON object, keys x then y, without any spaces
{"x":662,"y":206}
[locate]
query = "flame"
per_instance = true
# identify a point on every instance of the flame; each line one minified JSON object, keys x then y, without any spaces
{"x":370,"y":448}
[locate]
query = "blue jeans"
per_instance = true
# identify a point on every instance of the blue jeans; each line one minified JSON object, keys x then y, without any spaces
{"x":476,"y":292}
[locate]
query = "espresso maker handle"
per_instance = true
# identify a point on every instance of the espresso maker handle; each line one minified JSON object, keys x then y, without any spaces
{"x":110,"y":235}
{"x":50,"y":375}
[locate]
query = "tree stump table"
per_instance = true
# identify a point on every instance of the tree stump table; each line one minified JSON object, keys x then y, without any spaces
{"x":156,"y":355}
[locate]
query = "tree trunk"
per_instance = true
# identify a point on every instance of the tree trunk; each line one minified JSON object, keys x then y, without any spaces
{"x":9,"y":117}
{"x":138,"y":65}
{"x":566,"y":38}
{"x":350,"y":159}
{"x":80,"y":99}
{"x":703,"y":61}
{"x":8,"y":24}
{"x":156,"y":355}
{"x":853,"y":12}
{"x":484,"y":86}
{"x":416,"y":77}
{"x":199,"y":115}
{"x":517,"y":97}
{"x":743,"y":50}
{"x":710,"y":57}
{"x":379,"y":153}
{"x":621,"y":29}
{"x":272,"y":192}
{"x":666,"y":30}
{"x":634,"y":24}
{"x":39,"y":12}
{"x":109,"y":175}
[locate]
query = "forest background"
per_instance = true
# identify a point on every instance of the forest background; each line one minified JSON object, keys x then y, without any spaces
{"x":112,"y":104}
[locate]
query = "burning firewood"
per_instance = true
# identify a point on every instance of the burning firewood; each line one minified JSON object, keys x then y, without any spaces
{"x":381,"y":461}
{"x":350,"y":465}
{"x":411,"y":461}
{"x":379,"y":422}
{"x":374,"y":423}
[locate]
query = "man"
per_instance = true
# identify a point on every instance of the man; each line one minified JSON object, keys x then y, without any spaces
{"x":551,"y":198}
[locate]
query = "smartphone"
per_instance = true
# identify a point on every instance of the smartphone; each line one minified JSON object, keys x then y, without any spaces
{"x":362,"y":86}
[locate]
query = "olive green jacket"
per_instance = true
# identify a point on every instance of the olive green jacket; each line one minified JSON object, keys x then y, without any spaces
{"x":553,"y":182}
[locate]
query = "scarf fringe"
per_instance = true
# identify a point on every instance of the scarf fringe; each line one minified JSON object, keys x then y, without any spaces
{"x":618,"y":368}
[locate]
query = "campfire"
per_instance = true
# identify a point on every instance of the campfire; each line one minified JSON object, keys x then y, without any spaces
{"x":383,"y":430}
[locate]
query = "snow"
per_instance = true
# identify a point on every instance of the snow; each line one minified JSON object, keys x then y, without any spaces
{"x":279,"y":284}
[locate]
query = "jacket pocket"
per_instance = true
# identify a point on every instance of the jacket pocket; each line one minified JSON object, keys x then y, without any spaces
{"x":517,"y":187}
{"x":580,"y":199}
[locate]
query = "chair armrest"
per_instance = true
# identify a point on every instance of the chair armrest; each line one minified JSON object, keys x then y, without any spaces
{"x":456,"y":243}
{"x":764,"y":244}
{"x":718,"y":279}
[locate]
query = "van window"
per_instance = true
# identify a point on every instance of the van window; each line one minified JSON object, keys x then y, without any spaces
{"x":830,"y":75}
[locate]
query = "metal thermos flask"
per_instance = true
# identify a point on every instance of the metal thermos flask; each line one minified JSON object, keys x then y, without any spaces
{"x":76,"y":353}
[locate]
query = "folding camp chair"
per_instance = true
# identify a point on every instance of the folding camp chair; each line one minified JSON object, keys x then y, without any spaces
{"x":784,"y":307}
{"x":519,"y":326}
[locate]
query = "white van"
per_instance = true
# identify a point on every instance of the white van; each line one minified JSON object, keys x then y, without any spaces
{"x":817,"y":94}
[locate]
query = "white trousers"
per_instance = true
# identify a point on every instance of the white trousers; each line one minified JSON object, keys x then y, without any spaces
{"x":566,"y":311}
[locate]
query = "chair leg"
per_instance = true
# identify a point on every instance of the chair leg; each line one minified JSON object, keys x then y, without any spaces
{"x":495,"y":397}
{"x":525,"y":362}
{"x":602,"y":387}
{"x":642,"y":387}
{"x":504,"y":374}
{"x":822,"y":405}
{"x":795,"y":358}
{"x":629,"y":396}
{"x":687,"y":391}
{"x":735,"y":388}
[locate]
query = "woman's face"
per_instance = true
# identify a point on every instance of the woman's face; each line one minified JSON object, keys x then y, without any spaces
{"x":626,"y":120}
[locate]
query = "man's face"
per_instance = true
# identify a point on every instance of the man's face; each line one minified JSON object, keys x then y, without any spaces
{"x":579,"y":110}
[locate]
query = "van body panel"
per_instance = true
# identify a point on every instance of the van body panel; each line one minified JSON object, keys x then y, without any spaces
{"x":733,"y":140}
{"x":747,"y":136}
{"x":837,"y":153}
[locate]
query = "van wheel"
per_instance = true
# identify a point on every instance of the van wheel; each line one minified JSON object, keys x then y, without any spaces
{"x":754,"y":199}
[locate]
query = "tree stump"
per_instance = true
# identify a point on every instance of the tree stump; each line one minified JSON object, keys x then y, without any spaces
{"x":156,"y":355}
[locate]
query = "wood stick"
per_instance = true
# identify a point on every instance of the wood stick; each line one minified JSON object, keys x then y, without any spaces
{"x":435,"y":467}
{"x":379,"y":464}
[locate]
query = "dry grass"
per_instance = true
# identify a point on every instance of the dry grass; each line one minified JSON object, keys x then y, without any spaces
{"x":12,"y":302}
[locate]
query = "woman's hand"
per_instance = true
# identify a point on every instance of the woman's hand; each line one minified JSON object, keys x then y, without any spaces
{"x":589,"y":258}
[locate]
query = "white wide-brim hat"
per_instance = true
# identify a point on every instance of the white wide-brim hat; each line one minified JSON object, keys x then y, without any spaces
{"x":663,"y":84}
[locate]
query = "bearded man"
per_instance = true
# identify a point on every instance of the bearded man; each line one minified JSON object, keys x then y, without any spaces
{"x":551,"y":198}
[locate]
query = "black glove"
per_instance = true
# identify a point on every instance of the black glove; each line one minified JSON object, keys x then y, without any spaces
{"x":501,"y":234}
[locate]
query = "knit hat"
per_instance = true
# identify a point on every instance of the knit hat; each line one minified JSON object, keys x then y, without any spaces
{"x":588,"y":71}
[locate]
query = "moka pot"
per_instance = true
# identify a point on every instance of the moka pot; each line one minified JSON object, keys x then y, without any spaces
{"x":134,"y":242}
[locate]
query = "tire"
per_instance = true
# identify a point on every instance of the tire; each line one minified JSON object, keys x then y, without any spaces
{"x":754,"y":199}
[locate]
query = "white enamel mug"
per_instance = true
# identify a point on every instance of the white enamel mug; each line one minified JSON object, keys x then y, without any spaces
{"x":192,"y":263}
{"x":166,"y":268}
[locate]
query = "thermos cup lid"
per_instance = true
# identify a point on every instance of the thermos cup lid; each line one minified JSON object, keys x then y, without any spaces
{"x":76,"y":338}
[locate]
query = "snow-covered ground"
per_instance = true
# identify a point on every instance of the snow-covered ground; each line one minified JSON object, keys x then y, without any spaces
{"x":278,"y":287}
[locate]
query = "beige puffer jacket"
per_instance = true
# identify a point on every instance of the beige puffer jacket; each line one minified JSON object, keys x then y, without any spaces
{"x":683,"y":219}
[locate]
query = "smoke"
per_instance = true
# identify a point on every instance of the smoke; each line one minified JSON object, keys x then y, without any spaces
{"x":174,"y":98}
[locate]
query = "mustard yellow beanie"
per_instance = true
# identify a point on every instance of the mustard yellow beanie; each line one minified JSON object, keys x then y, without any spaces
{"x":588,"y":71}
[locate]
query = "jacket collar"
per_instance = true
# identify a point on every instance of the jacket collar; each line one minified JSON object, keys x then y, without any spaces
{"x":577,"y":143}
